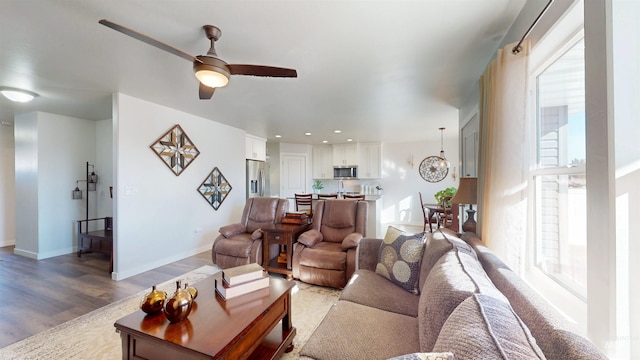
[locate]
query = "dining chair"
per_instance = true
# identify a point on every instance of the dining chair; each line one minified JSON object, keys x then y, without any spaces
{"x":428,"y":215}
{"x":357,"y":197}
{"x":446,"y":217}
{"x":304,"y":203}
{"x":327,"y":196}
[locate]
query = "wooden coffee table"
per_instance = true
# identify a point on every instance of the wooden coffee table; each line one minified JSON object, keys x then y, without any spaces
{"x":244,"y":327}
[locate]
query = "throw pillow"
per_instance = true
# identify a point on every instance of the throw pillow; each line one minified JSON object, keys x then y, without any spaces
{"x":399,"y":258}
{"x":425,"y":356}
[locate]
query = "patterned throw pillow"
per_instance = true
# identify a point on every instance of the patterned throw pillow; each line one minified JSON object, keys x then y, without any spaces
{"x":400,"y":256}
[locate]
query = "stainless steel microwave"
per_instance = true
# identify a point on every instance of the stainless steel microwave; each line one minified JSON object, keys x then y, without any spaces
{"x":345,"y":172}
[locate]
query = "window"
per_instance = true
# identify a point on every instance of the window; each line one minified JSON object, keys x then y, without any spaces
{"x":559,"y":170}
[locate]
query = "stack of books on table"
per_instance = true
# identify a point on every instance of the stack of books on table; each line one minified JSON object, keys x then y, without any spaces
{"x":241,"y":280}
{"x":298,"y":218}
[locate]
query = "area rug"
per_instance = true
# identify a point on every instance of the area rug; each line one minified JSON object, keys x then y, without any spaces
{"x":92,"y":336}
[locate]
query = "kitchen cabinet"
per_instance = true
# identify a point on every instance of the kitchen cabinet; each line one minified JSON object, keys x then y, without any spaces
{"x":322,"y":162}
{"x":345,"y":154}
{"x":369,"y":161}
{"x":256,"y":148}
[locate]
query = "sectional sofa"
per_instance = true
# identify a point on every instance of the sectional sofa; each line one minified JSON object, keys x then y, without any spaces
{"x":463,"y":303}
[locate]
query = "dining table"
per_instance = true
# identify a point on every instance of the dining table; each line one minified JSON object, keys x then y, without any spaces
{"x":434,"y":209}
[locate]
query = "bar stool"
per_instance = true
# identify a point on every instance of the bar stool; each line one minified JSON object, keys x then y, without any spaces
{"x":357,"y":197}
{"x":304,"y":203}
{"x":327,"y":196}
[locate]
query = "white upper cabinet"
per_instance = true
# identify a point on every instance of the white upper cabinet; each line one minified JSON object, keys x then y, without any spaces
{"x":322,"y":162}
{"x":256,"y":148}
{"x":345,"y":154}
{"x":370,"y":161}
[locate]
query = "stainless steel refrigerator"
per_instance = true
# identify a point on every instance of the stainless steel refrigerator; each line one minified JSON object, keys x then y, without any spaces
{"x":257,"y":178}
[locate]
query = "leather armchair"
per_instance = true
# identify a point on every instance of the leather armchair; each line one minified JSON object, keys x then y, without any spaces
{"x":326,"y":254}
{"x":241,"y":243}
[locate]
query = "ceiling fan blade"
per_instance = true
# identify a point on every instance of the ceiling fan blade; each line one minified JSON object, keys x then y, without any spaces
{"x":206,"y":92}
{"x":261,"y":70}
{"x":149,"y":40}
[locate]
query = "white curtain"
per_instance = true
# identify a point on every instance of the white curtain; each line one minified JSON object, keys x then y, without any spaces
{"x":503,"y":159}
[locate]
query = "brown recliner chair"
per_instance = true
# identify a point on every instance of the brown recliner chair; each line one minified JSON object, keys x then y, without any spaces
{"x":241,"y":243}
{"x":326,"y":254}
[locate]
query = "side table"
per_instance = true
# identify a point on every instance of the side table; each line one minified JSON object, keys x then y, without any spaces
{"x":283,"y":235}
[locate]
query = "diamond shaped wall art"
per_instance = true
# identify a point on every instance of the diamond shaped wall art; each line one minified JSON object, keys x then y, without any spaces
{"x":215,"y":188}
{"x":175,"y":149}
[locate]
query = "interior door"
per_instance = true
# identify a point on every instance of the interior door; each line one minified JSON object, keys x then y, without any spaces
{"x":294,"y":175}
{"x":470,"y":148}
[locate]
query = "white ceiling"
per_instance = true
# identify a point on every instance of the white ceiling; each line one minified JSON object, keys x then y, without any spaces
{"x":377,"y":70}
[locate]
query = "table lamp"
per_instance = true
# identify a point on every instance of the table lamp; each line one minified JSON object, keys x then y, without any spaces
{"x":467,"y":194}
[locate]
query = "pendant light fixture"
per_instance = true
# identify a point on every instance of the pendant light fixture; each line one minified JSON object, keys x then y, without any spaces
{"x":444,"y":163}
{"x":435,"y":168}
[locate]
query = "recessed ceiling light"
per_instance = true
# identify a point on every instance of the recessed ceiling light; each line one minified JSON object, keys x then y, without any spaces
{"x":324,"y":141}
{"x":17,"y":95}
{"x":337,"y":131}
{"x":308,"y":134}
{"x":349,"y":139}
{"x":278,"y":136}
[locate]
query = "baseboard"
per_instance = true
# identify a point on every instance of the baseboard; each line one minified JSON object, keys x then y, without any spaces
{"x":121,"y":275}
{"x":25,"y":253}
{"x":42,"y":255}
{"x":8,"y":242}
{"x":50,"y":254}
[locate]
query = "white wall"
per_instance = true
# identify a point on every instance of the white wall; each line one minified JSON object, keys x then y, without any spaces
{"x":159,"y":217}
{"x":26,"y":183}
{"x":7,"y":187}
{"x":273,"y":159}
{"x":65,"y":144}
{"x":104,"y":167}
{"x":51,"y":152}
{"x":402,"y":181}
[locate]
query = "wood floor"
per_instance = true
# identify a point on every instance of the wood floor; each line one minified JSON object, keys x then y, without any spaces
{"x":37,"y":295}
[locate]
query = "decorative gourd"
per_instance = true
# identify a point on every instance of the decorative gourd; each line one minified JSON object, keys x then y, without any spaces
{"x":178,"y":306}
{"x":153,"y":302}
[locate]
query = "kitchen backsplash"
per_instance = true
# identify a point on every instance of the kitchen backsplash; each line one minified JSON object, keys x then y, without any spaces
{"x":351,"y":186}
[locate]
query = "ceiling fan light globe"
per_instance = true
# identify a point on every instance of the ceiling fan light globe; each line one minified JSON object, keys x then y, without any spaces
{"x":211,"y":71}
{"x":212,"y":78}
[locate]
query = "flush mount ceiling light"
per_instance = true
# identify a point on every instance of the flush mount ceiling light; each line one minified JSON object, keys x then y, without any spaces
{"x":17,"y":95}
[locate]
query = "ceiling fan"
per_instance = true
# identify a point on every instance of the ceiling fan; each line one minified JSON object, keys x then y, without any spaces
{"x":211,"y":71}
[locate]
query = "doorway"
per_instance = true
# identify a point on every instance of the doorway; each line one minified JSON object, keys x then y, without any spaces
{"x":293,"y":178}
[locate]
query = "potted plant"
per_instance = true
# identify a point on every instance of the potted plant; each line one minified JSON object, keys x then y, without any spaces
{"x":317,"y":186}
{"x":450,"y":191}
